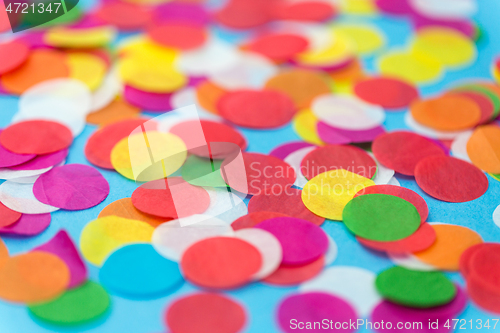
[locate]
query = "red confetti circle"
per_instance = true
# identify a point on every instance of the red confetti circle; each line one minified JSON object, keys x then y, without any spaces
{"x":279,"y":47}
{"x":124,"y":16}
{"x":256,"y":108}
{"x":205,"y":313}
{"x":387,"y":92}
{"x":216,"y":134}
{"x":244,"y":14}
{"x":261,"y":174}
{"x":12,"y":55}
{"x":156,"y":198}
{"x":315,"y":11}
{"x":36,"y":137}
{"x":401,"y":192}
{"x":8,"y":216}
{"x":333,"y":157}
{"x":100,"y":144}
{"x":293,"y":275}
{"x":221,"y":262}
{"x":288,"y":202}
{"x":450,"y":179}
{"x":178,"y":35}
{"x":401,"y":151}
{"x":422,"y":239}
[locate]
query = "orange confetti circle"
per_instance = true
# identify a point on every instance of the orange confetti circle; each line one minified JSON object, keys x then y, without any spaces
{"x":483,"y":148}
{"x":447,"y":113}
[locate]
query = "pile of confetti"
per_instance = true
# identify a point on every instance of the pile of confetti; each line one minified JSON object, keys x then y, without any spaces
{"x":249,"y":166}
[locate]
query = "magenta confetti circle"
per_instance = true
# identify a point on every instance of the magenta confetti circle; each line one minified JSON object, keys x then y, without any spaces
{"x":28,"y":225}
{"x":71,"y":187}
{"x":302,"y":241}
{"x":43,"y":161}
{"x":308,"y":308}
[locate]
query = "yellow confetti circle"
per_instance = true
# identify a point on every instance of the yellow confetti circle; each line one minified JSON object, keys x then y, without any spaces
{"x":340,"y":49}
{"x":141,"y":47}
{"x":88,"y":68}
{"x":365,"y":38}
{"x":359,"y":7}
{"x":148,"y":156}
{"x":101,"y":237}
{"x":151,"y":74}
{"x":304,"y":124}
{"x":80,"y":38}
{"x":448,"y":46}
{"x":416,"y":68}
{"x":327,"y":194}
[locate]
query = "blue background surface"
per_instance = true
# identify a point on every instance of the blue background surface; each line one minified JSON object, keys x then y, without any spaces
{"x":260,"y":300}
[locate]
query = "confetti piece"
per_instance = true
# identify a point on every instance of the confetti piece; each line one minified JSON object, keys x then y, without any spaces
{"x":415,"y":289}
{"x":147,"y":74}
{"x":347,"y":112}
{"x":209,"y":138}
{"x":170,"y":198}
{"x":252,"y":219}
{"x":421,"y":240}
{"x":9,"y":159}
{"x":208,"y":95}
{"x":100,"y":144}
{"x":43,"y":161}
{"x":226,"y":205}
{"x":149,"y":155}
{"x":286,"y":149}
{"x":87,"y":37}
{"x":353,"y":284}
{"x":287,"y":203}
{"x":125,"y":16}
{"x":334,"y":157}
{"x":200,"y":171}
{"x":87,"y":68}
{"x":13,"y":55}
{"x":381,"y":217}
{"x":147,"y":100}
{"x":294,"y":275}
{"x":102,"y":236}
{"x":402,"y":151}
{"x":261,"y":174}
{"x":8,"y":216}
{"x":392,"y":314}
{"x":172,"y":239}
{"x":278,"y":47}
{"x":414,"y":68}
{"x":291,"y":231}
{"x":178,"y":35}
{"x":327,"y":194}
{"x":446,"y":113}
{"x":310,"y":11}
{"x":430,"y":132}
{"x":33,"y":277}
{"x":114,"y":112}
{"x":333,"y":56}
{"x":335,"y":135}
{"x":221,"y":262}
{"x":27,"y":225}
{"x":305,"y":125}
{"x":138,"y":271}
{"x":62,"y":246}
{"x":450,"y":179}
{"x":20,"y":198}
{"x":485,"y":104}
{"x":301,"y":85}
{"x":483,"y":148}
{"x":268,"y":246}
{"x":256,"y":109}
{"x":243,"y":14}
{"x":74,"y":307}
{"x":311,"y":307}
{"x":390,"y":93}
{"x":448,"y":46}
{"x":451,"y":242}
{"x":366,"y":38}
{"x":401,"y":192}
{"x":41,"y":65}
{"x":71,"y":187}
{"x":205,"y":313}
{"x":125,"y":209}
{"x":51,"y":137}
{"x":175,"y":11}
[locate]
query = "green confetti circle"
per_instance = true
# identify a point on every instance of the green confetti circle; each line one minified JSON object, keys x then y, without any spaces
{"x":416,"y":289}
{"x":381,"y":217}
{"x":74,"y":307}
{"x":200,"y":171}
